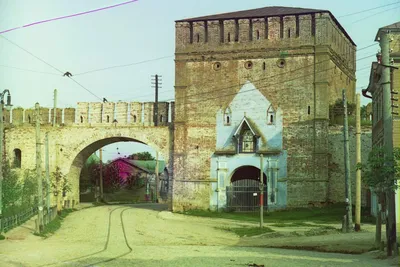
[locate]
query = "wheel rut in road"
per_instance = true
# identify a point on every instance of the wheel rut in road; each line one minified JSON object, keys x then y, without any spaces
{"x":113,"y":242}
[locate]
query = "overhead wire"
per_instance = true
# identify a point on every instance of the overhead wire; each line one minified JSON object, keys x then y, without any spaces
{"x":68,"y":16}
{"x":366,"y":10}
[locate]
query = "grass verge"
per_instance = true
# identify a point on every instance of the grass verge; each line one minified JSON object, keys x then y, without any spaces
{"x":248,"y":231}
{"x":297,"y":216}
{"x":54,"y":225}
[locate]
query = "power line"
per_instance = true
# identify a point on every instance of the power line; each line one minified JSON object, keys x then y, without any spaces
{"x":68,"y":16}
{"x":366,"y":10}
{"x":21,"y":69}
{"x":101,"y":99}
{"x":124,"y":65}
{"x":48,"y":64}
{"x":375,"y":14}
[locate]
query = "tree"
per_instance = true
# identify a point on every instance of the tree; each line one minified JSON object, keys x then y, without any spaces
{"x":59,"y":185}
{"x":112,"y":179}
{"x":142,"y":156}
{"x":12,"y":190}
{"x":381,"y":173}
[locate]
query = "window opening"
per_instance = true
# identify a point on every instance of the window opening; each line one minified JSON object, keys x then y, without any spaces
{"x":197,"y":37}
{"x":108,"y":118}
{"x":29,"y":118}
{"x":81,"y":119}
{"x":288,"y":33}
{"x":309,"y":110}
{"x":236,"y":30}
{"x":17,"y":158}
{"x":227,"y":116}
{"x":258,"y":34}
{"x":271,"y":115}
{"x":264,"y":66}
{"x":247,"y":142}
{"x":161,"y":118}
{"x":134,"y":118}
{"x":229,"y":36}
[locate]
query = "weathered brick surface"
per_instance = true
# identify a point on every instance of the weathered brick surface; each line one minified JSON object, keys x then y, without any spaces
{"x":209,"y":75}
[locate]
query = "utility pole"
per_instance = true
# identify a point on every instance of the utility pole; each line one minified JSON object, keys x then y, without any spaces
{"x":349,"y":219}
{"x":156,"y":86}
{"x":157,"y":178}
{"x":101,"y":173}
{"x":358,"y":161}
{"x":55,"y":108}
{"x":2,"y":149}
{"x":39,"y":170}
{"x":261,"y":190}
{"x":47,"y":175}
{"x":388,"y":139}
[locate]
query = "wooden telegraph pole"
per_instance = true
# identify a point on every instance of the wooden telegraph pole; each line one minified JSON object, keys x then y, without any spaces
{"x":39,"y":170}
{"x":261,"y":190}
{"x":357,"y":226}
{"x":101,"y":173}
{"x":349,"y":219}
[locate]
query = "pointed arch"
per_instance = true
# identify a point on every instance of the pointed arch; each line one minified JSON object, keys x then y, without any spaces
{"x":271,"y":115}
{"x":227,"y":116}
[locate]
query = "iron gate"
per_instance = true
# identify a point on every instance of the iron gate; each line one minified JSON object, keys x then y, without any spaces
{"x":244,"y":195}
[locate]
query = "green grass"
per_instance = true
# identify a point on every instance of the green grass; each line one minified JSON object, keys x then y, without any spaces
{"x":248,"y":231}
{"x":329,"y":214}
{"x":2,"y":237}
{"x":54,"y":225}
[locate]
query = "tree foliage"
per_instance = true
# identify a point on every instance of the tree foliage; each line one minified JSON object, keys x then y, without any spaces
{"x":381,"y":170}
{"x":60,"y":184}
{"x":111,"y":177}
{"x":142,"y":156}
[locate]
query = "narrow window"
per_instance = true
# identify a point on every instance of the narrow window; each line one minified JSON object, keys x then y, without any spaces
{"x":271,"y":115}
{"x":4,"y":119}
{"x":205,"y":31}
{"x":227,"y":116}
{"x":258,"y":34}
{"x":221,"y":31}
{"x":309,"y":110}
{"x":288,"y":33}
{"x":29,"y":118}
{"x":266,"y":27}
{"x":17,"y":158}
{"x":247,"y":142}
{"x":313,"y":24}
{"x":108,"y":118}
{"x":250,"y":29}
{"x":134,"y":118}
{"x":81,"y":119}
{"x":197,"y":37}
{"x":236,"y":30}
{"x":297,"y":26}
{"x":229,"y":37}
{"x":263,"y":65}
{"x":161,"y":118}
{"x":191,"y":32}
{"x":281,"y":28}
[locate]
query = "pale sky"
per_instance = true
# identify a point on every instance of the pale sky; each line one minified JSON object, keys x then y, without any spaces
{"x":140,"y":31}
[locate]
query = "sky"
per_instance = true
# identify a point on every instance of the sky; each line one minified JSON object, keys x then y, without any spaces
{"x":140,"y":31}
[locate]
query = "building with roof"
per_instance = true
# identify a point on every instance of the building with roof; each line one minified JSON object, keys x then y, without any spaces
{"x":258,"y":82}
{"x":375,"y":91}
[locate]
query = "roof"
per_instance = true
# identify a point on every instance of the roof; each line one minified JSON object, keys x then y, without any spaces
{"x":92,"y":159}
{"x":148,"y":166}
{"x":271,"y":11}
{"x":392,"y":27}
{"x":258,"y":13}
{"x":250,"y":124}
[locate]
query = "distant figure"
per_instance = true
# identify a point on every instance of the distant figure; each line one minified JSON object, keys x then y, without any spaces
{"x":68,"y":74}
{"x":104,"y":100}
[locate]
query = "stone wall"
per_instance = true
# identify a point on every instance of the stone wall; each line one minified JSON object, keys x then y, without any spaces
{"x":93,"y":113}
{"x":277,"y":55}
{"x":336,"y":192}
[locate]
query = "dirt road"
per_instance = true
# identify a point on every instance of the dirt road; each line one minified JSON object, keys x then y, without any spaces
{"x":141,"y":235}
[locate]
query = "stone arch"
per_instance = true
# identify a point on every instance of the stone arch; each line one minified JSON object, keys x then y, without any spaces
{"x":75,"y":157}
{"x":247,"y":172}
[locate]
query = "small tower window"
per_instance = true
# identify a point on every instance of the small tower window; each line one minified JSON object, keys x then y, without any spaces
{"x":197,"y":37}
{"x":229,"y":37}
{"x":264,"y":66}
{"x":271,"y":115}
{"x":108,"y":118}
{"x":227,"y":116}
{"x":134,"y":118}
{"x":288,"y":33}
{"x":81,"y":119}
{"x":309,"y":110}
{"x":258,"y":35}
{"x":161,"y":118}
{"x":17,"y":158}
